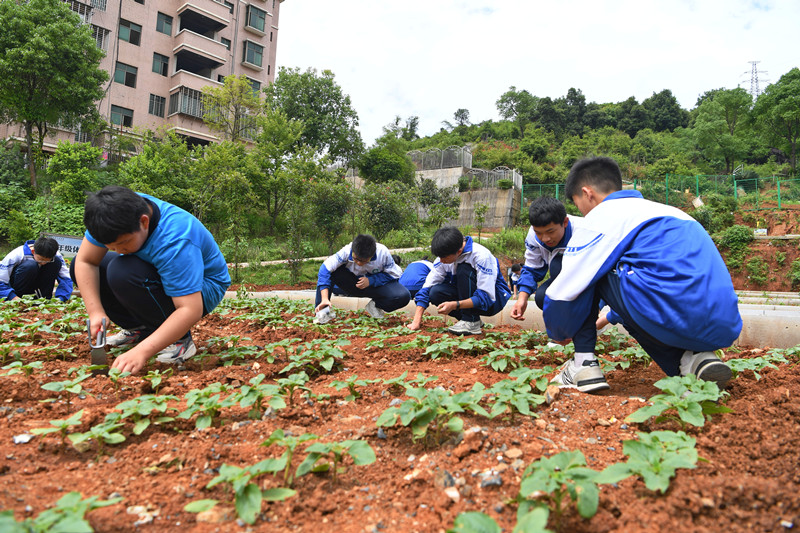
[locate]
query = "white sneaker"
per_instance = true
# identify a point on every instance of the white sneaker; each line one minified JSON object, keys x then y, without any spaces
{"x":325,"y":315}
{"x":462,"y":327}
{"x":373,"y":310}
{"x":126,"y":337}
{"x":178,"y":352}
{"x":706,"y":366}
{"x":587,"y":378}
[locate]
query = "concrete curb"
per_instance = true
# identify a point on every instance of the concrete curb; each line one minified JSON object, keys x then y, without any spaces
{"x":764,"y":324}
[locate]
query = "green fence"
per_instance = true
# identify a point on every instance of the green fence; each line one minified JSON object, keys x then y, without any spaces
{"x":535,"y":190}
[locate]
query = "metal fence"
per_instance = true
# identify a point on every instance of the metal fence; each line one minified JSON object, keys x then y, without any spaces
{"x":450,"y":157}
{"x":489,"y":178}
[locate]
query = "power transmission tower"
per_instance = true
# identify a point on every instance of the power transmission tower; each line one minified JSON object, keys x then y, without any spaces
{"x":754,"y":72}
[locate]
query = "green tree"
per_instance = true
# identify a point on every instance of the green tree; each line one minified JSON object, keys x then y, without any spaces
{"x":386,"y":207}
{"x":632,"y":117}
{"x":231,"y":109}
{"x":719,"y":126}
{"x":461,"y":116}
{"x":220,"y":190}
{"x":517,"y":106}
{"x":317,"y":101}
{"x":665,"y":111}
{"x":74,"y":171}
{"x":380,"y":165}
{"x":777,"y":111}
{"x":331,"y":200}
{"x":49,"y":68}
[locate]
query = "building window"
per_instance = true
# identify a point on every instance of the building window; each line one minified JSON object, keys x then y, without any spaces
{"x":101,"y":37}
{"x":220,"y":78}
{"x":160,"y":64}
{"x":253,"y":53}
{"x":229,"y":6}
{"x":256,"y":85}
{"x":128,"y":31}
{"x":186,"y":101}
{"x":226,"y":42}
{"x":256,"y":18}
{"x":267,"y":70}
{"x":158,"y":105}
{"x":125,"y":74}
{"x":164,"y":23}
{"x":139,"y":1}
{"x":82,"y":9}
{"x":121,"y":116}
{"x":99,"y":4}
{"x":270,"y":36}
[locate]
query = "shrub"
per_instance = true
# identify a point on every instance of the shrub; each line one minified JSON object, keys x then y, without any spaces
{"x":794,"y":274}
{"x":758,"y":270}
{"x":735,"y":238}
{"x":504,"y":184}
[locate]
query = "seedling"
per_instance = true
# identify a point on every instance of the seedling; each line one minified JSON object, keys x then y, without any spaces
{"x":327,"y":456}
{"x":292,"y":383}
{"x":538,"y":377}
{"x":689,"y":398}
{"x":68,"y":515}
{"x":71,"y":387}
{"x":553,"y":479}
{"x":207,"y":402}
{"x":756,"y":363}
{"x":290,"y":443}
{"x":103,"y":433}
{"x":139,"y":411}
{"x":17,"y":367}
{"x":60,"y":426}
{"x":502,"y":358}
{"x":534,"y":521}
{"x":284,"y":344}
{"x":514,"y":396}
{"x":654,"y":457}
{"x":317,"y":356}
{"x":231,"y":349}
{"x":254,"y":394}
{"x":115,"y":374}
{"x":351,"y":384}
{"x":156,"y":377}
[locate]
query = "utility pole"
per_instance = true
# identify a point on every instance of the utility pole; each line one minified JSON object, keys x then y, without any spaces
{"x":754,"y":72}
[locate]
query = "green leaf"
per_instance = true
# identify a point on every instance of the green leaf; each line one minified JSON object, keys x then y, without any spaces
{"x":362,"y":453}
{"x":198,"y":506}
{"x":248,"y":503}
{"x":277,"y":494}
{"x":534,"y":521}
{"x":475,"y":522}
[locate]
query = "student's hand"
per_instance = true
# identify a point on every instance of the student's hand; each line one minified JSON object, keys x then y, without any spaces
{"x":131,"y":361}
{"x":518,"y":311}
{"x":96,"y":322}
{"x":322,"y":305}
{"x":414,"y":325}
{"x":445,"y":308}
{"x":363,"y":282}
{"x":602,"y":321}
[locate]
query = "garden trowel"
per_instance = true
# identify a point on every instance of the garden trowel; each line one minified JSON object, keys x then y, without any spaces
{"x":99,"y":356}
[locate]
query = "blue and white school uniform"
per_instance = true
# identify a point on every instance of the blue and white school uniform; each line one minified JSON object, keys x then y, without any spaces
{"x":20,"y":274}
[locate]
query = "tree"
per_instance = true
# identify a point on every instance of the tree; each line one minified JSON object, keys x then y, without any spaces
{"x":74,"y":170}
{"x":231,"y":109}
{"x":777,"y":112}
{"x":461,"y":116}
{"x":328,"y":118}
{"x":386,"y":207}
{"x":517,"y":106}
{"x":331,"y":199}
{"x":666,"y":112}
{"x":380,"y":165}
{"x":49,"y":69}
{"x":719,"y":126}
{"x":632,"y":117}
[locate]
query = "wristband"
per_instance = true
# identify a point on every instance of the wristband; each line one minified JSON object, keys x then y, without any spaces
{"x":458,"y":304}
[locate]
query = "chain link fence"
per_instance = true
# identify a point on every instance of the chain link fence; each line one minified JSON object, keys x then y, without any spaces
{"x":434,"y":159}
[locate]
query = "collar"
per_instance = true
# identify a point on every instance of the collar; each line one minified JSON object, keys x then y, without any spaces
{"x":467,"y":245}
{"x":155,"y":218}
{"x":623,"y":194}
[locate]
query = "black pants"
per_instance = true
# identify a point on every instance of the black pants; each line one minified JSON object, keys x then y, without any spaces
{"x":30,"y":278}
{"x":132,"y":294}
{"x":462,"y":287}
{"x":555,"y":268}
{"x":389,"y":297}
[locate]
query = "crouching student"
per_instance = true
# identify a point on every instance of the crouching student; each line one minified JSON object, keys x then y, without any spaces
{"x":465,"y":283}
{"x":153,"y":269}
{"x":414,"y":275}
{"x":362,"y":269}
{"x":34,"y":268}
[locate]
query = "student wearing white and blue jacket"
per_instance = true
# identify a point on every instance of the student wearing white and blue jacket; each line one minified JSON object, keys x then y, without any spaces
{"x":34,"y":268}
{"x":655,"y":267}
{"x":465,"y":283}
{"x":364,"y":268}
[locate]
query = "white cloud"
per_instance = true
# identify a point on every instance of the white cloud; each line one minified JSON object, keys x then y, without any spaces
{"x":431,"y":58}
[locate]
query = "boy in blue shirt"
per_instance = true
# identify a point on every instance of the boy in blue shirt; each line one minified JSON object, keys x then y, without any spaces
{"x":153,"y":269}
{"x":34,"y":268}
{"x":414,"y":275}
{"x":465,"y":283}
{"x":655,"y":267}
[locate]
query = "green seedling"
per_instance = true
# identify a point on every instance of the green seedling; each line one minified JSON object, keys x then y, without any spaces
{"x":68,"y":515}
{"x":254,"y":395}
{"x":317,"y":356}
{"x":139,"y":411}
{"x":501,"y":359}
{"x":157,"y":377}
{"x":288,"y":386}
{"x":246,"y":494}
{"x":327,"y":456}
{"x":231,"y":351}
{"x":654,"y":457}
{"x":686,"y":399}
{"x":632,"y":355}
{"x":554,"y":479}
{"x":398,"y":384}
{"x":103,"y":433}
{"x":757,"y":363}
{"x":291,"y":443}
{"x":420,"y":341}
{"x":538,"y":377}
{"x":352,"y":384}
{"x":207,"y":402}
{"x":17,"y":367}
{"x":513,"y":397}
{"x":70,"y":387}
{"x":535,"y":521}
{"x":115,"y":375}
{"x":60,"y":426}
{"x":271,"y":349}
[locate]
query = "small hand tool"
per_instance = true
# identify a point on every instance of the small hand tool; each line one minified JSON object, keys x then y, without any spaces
{"x":99,"y":356}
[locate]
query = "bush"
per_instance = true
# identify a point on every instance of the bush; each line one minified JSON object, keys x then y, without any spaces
{"x":504,"y":184}
{"x":794,"y":274}
{"x":757,"y":270}
{"x":735,"y":238}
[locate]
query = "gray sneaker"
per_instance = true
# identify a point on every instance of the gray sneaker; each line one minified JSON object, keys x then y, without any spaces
{"x":126,"y":337}
{"x":325,"y":315}
{"x":178,"y":352}
{"x":373,"y":310}
{"x":588,"y":378}
{"x":462,"y":327}
{"x":706,"y":366}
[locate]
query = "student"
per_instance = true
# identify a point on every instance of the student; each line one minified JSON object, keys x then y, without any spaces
{"x":34,"y":268}
{"x":414,"y":275}
{"x":153,"y":269}
{"x":465,"y":283}
{"x":362,"y":269}
{"x":655,"y":267}
{"x":550,"y":231}
{"x":513,"y":277}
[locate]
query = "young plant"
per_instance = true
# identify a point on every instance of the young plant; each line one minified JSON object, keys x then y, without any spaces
{"x":69,"y":514}
{"x":207,"y":402}
{"x":654,"y":457}
{"x":115,"y":375}
{"x":513,"y":396}
{"x":317,"y":356}
{"x":351,"y":384}
{"x":291,"y":443}
{"x":686,"y":399}
{"x":287,"y":386}
{"x":231,"y":351}
{"x":254,"y":395}
{"x":534,"y":521}
{"x":271,"y":349}
{"x":156,"y":377}
{"x":754,"y":363}
{"x":71,"y":387}
{"x":327,"y":456}
{"x":60,"y":426}
{"x":103,"y":433}
{"x":555,"y":478}
{"x":139,"y":410}
{"x":506,"y":357}
{"x":537,"y":377}
{"x":17,"y":367}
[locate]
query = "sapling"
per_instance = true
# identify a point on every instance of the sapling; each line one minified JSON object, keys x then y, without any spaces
{"x":207,"y":402}
{"x":292,"y":383}
{"x":17,"y":367}
{"x":68,"y":515}
{"x":139,"y":410}
{"x":103,"y":433}
{"x":60,"y":426}
{"x":114,"y":375}
{"x":156,"y":377}
{"x":331,"y":454}
{"x":71,"y":387}
{"x":351,"y":384}
{"x":513,"y":396}
{"x":691,"y":400}
{"x":534,"y":521}
{"x":254,"y":394}
{"x":290,"y":442}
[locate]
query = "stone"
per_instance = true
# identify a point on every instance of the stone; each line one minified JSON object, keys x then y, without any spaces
{"x":551,"y":394}
{"x":513,"y":453}
{"x":215,"y":515}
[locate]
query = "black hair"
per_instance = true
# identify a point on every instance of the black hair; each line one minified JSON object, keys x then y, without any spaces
{"x":46,"y":247}
{"x":602,"y":173}
{"x":516,"y":267}
{"x":446,"y":241}
{"x":113,"y":211}
{"x":397,"y":260}
{"x":546,"y":210}
{"x":364,"y":246}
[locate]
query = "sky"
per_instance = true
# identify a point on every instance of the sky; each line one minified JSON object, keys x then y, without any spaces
{"x":431,"y":58}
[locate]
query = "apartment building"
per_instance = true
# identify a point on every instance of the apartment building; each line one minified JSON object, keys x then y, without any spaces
{"x":161,"y":53}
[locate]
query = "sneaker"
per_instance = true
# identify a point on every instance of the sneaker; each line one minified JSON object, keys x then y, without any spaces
{"x":463,"y":327}
{"x":373,"y":310}
{"x":178,"y":352}
{"x":126,"y":337}
{"x":325,"y":315}
{"x":588,"y":378}
{"x":706,"y":366}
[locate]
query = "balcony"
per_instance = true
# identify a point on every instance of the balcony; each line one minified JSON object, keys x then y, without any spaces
{"x":205,"y":20}
{"x":189,"y":42}
{"x":190,"y":80}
